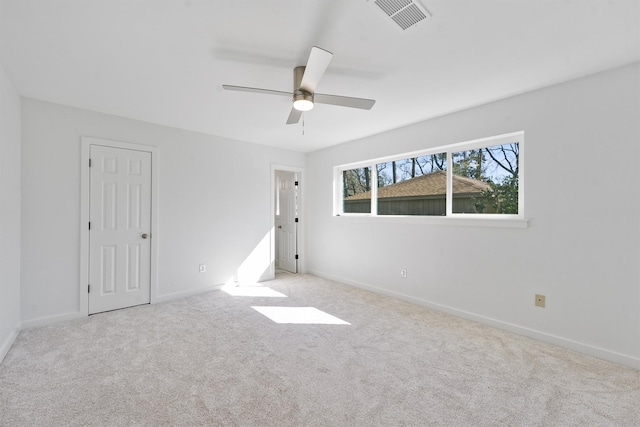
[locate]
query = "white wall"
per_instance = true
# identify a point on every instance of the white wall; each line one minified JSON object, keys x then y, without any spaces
{"x":214,"y":204}
{"x":581,"y":248}
{"x":9,"y":213}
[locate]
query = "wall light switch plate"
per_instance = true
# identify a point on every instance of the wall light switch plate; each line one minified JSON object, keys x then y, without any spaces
{"x":540,"y":300}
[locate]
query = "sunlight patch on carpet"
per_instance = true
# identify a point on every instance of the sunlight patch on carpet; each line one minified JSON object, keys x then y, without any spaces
{"x":299,"y":315}
{"x":252,"y":291}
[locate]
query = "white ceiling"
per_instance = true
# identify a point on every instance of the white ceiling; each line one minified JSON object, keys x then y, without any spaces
{"x":164,"y":61}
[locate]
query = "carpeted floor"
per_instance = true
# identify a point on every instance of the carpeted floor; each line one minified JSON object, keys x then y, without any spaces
{"x":213,"y":360}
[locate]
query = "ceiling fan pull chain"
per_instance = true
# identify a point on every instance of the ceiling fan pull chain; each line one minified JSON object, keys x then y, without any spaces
{"x":302,"y":124}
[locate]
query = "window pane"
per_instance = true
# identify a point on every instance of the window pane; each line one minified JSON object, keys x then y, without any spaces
{"x":485,"y":180}
{"x":356,"y":190}
{"x":413,"y":186}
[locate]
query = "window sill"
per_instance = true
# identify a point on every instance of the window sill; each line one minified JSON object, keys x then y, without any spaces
{"x":458,"y":220}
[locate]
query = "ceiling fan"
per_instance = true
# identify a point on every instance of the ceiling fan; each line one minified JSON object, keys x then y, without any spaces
{"x":305,"y":80}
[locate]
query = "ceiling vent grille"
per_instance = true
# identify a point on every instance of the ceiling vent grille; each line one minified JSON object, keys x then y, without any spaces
{"x":406,"y":13}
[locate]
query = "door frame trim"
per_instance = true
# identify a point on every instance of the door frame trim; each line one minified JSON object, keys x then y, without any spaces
{"x":85,"y":150}
{"x":301,"y":227}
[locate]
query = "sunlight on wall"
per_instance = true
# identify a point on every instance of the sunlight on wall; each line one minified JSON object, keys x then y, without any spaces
{"x":252,"y":291}
{"x":299,"y":315}
{"x":260,"y":261}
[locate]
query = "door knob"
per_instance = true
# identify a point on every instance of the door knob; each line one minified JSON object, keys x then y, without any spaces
{"x":279,"y":226}
{"x":145,"y":235}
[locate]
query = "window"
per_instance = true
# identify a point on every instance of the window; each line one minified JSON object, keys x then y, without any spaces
{"x":481,"y":178}
{"x":413,"y":186}
{"x":356,"y":190}
{"x":485,"y":179}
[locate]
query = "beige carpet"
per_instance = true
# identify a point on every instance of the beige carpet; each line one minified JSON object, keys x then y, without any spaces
{"x":213,"y":360}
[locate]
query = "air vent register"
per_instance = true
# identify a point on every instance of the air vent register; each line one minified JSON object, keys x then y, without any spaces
{"x":405,"y":13}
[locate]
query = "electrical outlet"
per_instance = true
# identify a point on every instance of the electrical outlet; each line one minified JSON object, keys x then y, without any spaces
{"x":202,"y":268}
{"x":403,"y":273}
{"x":540,"y":300}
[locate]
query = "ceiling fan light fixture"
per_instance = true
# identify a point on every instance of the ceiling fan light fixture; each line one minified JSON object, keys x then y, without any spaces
{"x":303,"y":102}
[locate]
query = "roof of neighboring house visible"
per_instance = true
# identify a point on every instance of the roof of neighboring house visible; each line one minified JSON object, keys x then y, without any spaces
{"x":431,"y":184}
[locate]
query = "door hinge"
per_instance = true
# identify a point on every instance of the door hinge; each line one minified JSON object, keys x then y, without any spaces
{"x":88,"y":289}
{"x":89,"y":162}
{"x":89,"y":225}
{"x":296,"y":220}
{"x":296,"y":256}
{"x":295,"y":183}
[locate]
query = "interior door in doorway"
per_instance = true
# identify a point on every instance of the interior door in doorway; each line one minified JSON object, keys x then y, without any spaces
{"x":286,"y":220}
{"x":120,"y":225}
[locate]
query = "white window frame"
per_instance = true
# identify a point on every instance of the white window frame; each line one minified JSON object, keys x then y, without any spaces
{"x":500,"y":220}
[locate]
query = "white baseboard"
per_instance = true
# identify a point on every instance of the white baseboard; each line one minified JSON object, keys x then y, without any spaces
{"x":8,"y":342}
{"x":44,"y":321}
{"x":184,"y":294}
{"x":590,"y":350}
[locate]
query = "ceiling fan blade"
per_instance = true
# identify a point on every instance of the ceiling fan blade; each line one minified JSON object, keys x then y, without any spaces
{"x":317,"y":64}
{"x":257,"y":90}
{"x":344,"y":101}
{"x":294,"y":116}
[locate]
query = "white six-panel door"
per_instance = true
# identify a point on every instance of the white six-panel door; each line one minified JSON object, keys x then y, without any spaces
{"x":286,"y":222}
{"x":120,"y":228}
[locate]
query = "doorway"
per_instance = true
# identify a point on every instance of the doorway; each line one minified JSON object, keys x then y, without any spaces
{"x":287,"y":218}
